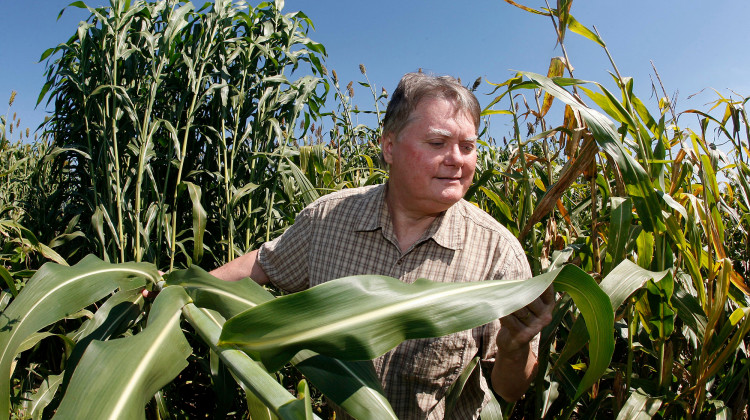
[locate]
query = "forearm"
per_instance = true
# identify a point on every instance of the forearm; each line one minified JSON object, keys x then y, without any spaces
{"x":513,"y":372}
{"x":241,"y":267}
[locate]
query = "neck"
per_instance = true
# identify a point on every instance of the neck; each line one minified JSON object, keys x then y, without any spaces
{"x":408,"y":224}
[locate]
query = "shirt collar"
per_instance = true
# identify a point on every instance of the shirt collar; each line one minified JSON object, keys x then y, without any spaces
{"x":448,"y":230}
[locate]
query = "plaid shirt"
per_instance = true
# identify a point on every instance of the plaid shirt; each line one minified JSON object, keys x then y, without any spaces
{"x":350,"y":232}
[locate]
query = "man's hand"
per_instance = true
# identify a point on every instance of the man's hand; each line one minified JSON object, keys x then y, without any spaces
{"x":520,"y":327}
{"x":516,"y":362}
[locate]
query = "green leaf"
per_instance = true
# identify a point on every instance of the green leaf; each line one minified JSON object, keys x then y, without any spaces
{"x":362,"y":317}
{"x":5,"y":274}
{"x":596,"y":310}
{"x":352,"y":385}
{"x":226,"y":297}
{"x":576,"y":27}
{"x":254,"y":378}
{"x":54,"y":292}
{"x":199,"y":220}
{"x":619,"y":284}
{"x":117,"y":378}
{"x":492,"y":410}
{"x":454,"y":392}
{"x":645,"y":246}
{"x":43,"y":396}
{"x":619,"y":229}
{"x":640,"y":406}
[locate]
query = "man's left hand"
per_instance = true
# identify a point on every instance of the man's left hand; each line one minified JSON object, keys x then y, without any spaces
{"x":519,"y":328}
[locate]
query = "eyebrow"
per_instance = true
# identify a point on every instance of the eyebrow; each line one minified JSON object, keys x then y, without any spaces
{"x":446,"y":133}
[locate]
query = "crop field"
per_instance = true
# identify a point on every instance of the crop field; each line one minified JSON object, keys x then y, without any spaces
{"x":184,"y":137}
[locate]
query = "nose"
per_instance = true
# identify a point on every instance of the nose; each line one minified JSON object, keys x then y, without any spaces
{"x":453,"y":156}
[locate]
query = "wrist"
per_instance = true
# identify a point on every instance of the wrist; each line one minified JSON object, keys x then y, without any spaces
{"x":514,"y":351}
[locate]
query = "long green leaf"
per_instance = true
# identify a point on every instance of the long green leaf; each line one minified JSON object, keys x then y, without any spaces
{"x":362,"y":317}
{"x":619,"y":284}
{"x":116,"y":378}
{"x":54,"y":292}
{"x":596,"y":310}
{"x":246,"y":370}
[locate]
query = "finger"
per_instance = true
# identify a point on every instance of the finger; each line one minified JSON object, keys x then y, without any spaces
{"x":522,"y":313}
{"x":544,"y":303}
{"x":548,"y":296}
{"x":513,"y":323}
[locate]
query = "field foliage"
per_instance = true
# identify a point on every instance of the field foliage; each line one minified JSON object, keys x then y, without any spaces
{"x":185,"y":136}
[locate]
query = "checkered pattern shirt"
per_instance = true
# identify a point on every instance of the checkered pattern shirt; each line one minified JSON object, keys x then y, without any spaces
{"x":350,"y":232}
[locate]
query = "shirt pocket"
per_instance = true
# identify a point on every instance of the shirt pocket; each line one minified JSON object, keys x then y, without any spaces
{"x":435,"y":363}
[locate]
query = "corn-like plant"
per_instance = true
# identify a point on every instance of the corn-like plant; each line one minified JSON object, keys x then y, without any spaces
{"x":132,"y":345}
{"x":618,"y":183}
{"x":173,"y":126}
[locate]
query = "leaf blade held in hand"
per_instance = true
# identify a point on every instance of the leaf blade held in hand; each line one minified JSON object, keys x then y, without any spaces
{"x":362,"y":317}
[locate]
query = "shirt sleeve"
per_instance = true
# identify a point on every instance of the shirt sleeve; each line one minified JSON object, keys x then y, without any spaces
{"x":285,"y":259}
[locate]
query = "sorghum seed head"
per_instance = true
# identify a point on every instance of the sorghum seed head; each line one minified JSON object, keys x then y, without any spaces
{"x":476,"y":83}
{"x":12,"y":97}
{"x":362,"y":69}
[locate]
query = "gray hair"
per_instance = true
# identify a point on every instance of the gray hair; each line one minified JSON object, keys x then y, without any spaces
{"x":414,"y":87}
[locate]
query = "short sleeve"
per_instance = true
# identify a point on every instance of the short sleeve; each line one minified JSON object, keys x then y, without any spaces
{"x":285,"y":259}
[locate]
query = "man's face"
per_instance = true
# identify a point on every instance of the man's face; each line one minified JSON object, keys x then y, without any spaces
{"x":432,"y":159}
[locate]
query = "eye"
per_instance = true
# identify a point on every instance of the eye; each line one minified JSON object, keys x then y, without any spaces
{"x":468,"y":147}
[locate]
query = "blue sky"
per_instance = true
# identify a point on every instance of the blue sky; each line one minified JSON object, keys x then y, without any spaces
{"x":694,"y":45}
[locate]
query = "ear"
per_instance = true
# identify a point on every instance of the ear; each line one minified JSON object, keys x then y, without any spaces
{"x":386,"y":147}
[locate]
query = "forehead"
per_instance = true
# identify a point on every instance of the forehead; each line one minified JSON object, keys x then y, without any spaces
{"x":439,"y":114}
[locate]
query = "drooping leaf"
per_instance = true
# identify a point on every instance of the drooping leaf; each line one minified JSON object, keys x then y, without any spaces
{"x":556,"y":69}
{"x":56,"y":291}
{"x":253,"y":377}
{"x":352,"y":385}
{"x":619,"y":284}
{"x":118,"y":377}
{"x":362,"y":317}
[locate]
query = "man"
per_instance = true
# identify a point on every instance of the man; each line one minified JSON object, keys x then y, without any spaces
{"x":417,"y":226}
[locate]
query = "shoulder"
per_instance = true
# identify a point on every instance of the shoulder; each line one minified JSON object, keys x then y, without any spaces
{"x":349,"y":202}
{"x":347,"y":194}
{"x":477,"y":217}
{"x":481,"y":229}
